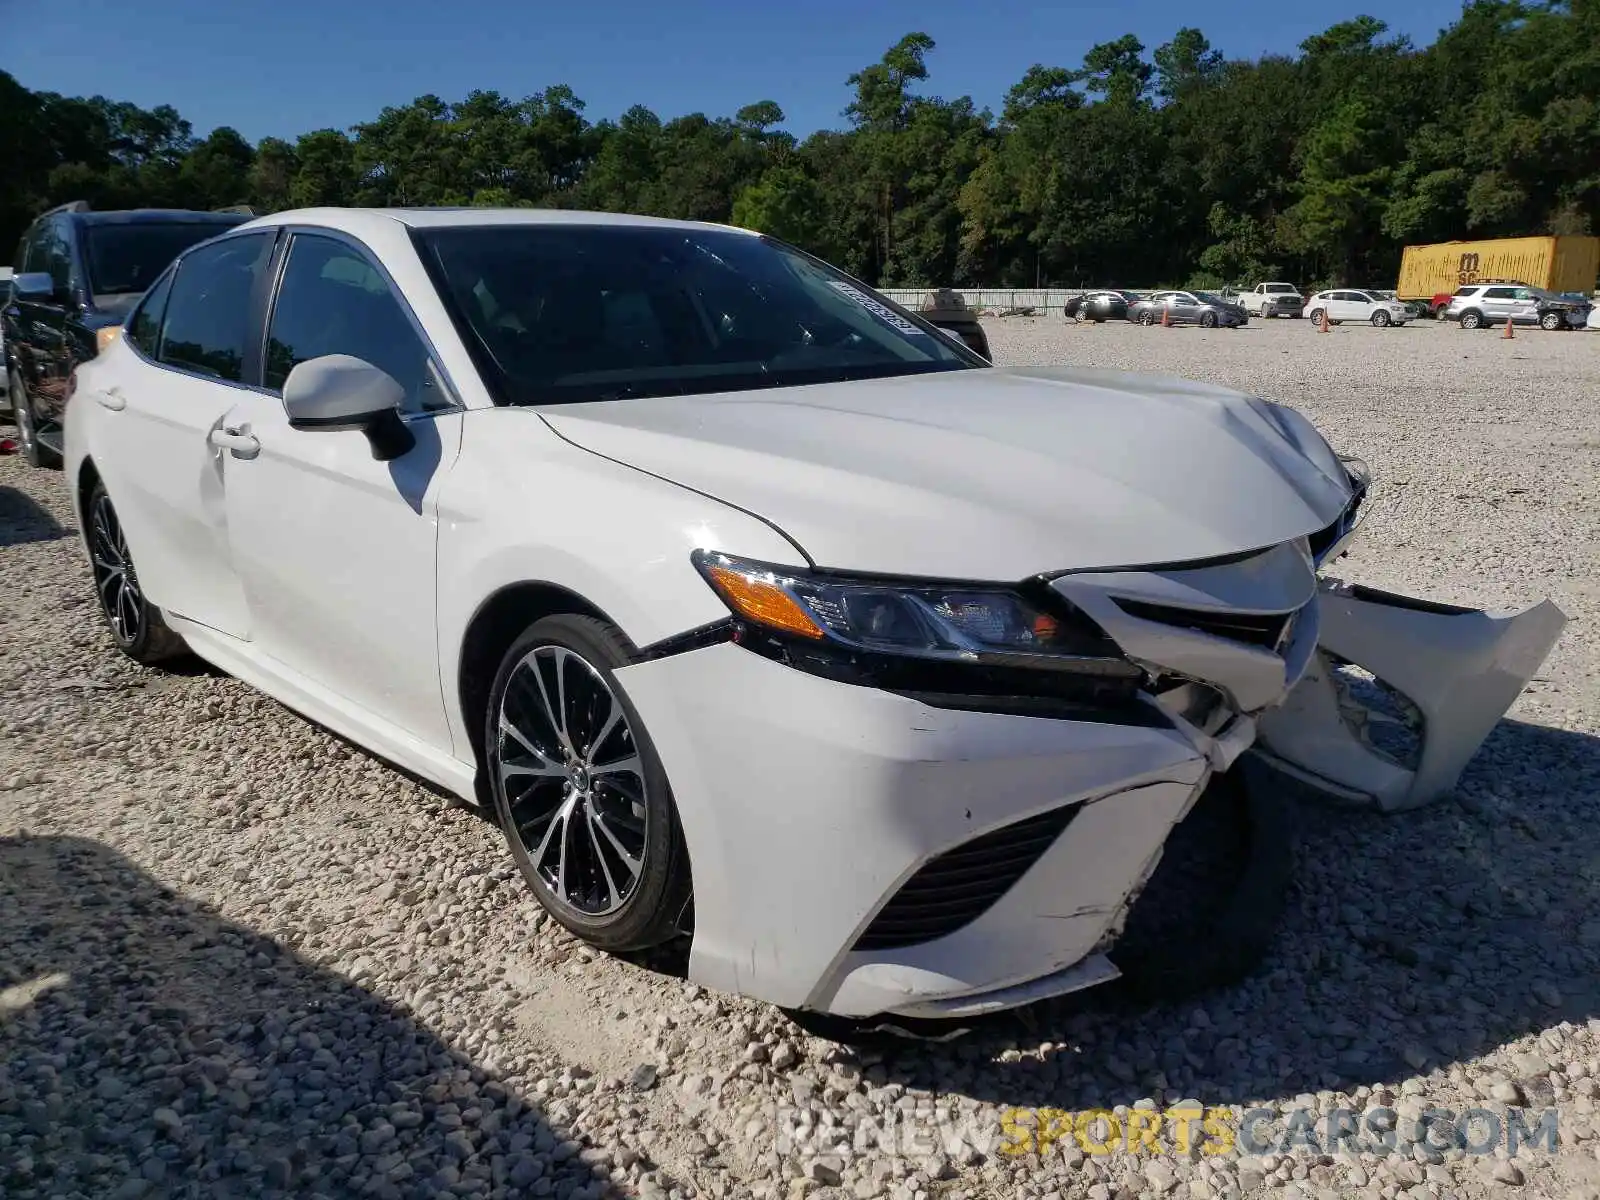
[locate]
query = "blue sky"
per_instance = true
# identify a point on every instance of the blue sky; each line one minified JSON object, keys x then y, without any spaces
{"x":289,"y":66}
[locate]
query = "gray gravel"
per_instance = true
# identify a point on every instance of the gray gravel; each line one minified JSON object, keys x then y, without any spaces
{"x":240,"y":957}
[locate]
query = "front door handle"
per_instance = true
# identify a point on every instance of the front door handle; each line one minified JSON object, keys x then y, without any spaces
{"x":111,"y":398}
{"x":235,"y":441}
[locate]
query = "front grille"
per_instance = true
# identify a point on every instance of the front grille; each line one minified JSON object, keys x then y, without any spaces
{"x":960,"y":885}
{"x":1254,"y":629}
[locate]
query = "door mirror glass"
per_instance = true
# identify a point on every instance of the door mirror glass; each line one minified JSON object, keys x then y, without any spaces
{"x":34,"y":286}
{"x":340,"y":391}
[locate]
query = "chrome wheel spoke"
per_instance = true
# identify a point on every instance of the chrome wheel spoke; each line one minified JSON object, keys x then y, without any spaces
{"x":600,"y":855}
{"x":634,"y":864}
{"x":629,"y":765}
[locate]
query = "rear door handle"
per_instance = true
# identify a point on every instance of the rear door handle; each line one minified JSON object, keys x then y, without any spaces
{"x":111,"y":398}
{"x":235,"y":441}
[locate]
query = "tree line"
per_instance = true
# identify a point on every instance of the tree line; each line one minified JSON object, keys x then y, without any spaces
{"x":1169,"y":166}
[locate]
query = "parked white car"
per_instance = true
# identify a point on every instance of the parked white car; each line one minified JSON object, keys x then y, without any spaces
{"x":1273,"y":300}
{"x":754,"y":607}
{"x":1346,"y":304}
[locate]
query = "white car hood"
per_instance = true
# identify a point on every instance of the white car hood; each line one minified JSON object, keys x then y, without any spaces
{"x":987,"y":474}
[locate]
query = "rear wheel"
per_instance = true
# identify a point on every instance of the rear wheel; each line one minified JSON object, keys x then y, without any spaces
{"x":1147,"y":317}
{"x":579,"y":791}
{"x":1472,"y":319}
{"x":1380,"y":320}
{"x":136,"y":625}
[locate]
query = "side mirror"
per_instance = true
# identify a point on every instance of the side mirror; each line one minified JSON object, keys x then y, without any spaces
{"x":341,"y":392}
{"x":35,"y":286}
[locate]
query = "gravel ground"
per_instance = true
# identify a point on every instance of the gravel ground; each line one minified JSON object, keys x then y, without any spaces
{"x":241,"y":957}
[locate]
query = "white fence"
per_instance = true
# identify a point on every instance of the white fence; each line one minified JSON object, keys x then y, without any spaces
{"x":991,"y":299}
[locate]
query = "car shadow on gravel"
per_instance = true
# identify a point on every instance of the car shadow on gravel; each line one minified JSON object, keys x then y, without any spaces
{"x":24,"y":520}
{"x":1411,"y":943}
{"x":150,"y":1048}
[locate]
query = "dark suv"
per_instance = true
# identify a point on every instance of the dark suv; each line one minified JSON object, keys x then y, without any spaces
{"x":76,"y":275}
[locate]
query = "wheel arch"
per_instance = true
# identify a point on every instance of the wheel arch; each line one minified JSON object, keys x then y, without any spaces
{"x":494,"y":625}
{"x":88,"y":476}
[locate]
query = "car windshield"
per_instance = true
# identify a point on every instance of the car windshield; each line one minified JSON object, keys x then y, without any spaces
{"x":563,"y":313}
{"x":127,"y":258}
{"x":1208,"y":297}
{"x":1280,"y":288}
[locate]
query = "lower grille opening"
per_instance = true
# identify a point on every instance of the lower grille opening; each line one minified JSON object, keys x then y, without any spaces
{"x":960,"y":885}
{"x":1255,"y":629}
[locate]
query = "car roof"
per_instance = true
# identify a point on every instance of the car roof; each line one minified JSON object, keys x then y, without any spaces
{"x":356,"y":221}
{"x":158,"y":216}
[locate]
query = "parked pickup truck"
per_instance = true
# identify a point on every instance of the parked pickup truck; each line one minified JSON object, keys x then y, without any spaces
{"x":1273,"y":300}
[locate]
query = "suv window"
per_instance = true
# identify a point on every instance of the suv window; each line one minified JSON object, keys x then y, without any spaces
{"x":206,"y":327}
{"x":125,"y":258}
{"x":1500,"y":293}
{"x":144,"y":330}
{"x":1466,"y":291}
{"x":55,"y":253}
{"x":334,"y":301}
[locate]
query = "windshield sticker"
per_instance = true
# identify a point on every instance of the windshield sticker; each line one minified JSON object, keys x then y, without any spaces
{"x":885,"y":314}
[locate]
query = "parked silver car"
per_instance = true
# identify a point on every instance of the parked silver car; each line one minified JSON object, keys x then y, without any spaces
{"x":1188,"y":308}
{"x":1492,"y":304}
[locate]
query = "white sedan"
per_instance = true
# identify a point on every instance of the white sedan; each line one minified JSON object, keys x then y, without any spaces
{"x":1345,"y":304}
{"x":759,"y":611}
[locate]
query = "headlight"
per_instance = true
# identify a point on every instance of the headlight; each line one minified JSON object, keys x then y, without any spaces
{"x":955,"y":622}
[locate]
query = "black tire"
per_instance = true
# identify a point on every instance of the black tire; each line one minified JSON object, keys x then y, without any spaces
{"x":1316,"y":316}
{"x":639,"y":819}
{"x":1551,"y":321}
{"x":1208,"y":320}
{"x":1380,"y":320}
{"x":136,"y":625}
{"x":1472,"y":319}
{"x":1223,"y":877}
{"x":1147,"y":318}
{"x":33,"y":451}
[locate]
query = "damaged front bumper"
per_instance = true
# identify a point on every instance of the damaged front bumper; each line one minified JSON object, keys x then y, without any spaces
{"x":1401,"y":694}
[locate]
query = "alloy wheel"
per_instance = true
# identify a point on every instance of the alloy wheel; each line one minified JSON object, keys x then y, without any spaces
{"x":115,"y":580}
{"x":1380,"y":319}
{"x":573,"y":780}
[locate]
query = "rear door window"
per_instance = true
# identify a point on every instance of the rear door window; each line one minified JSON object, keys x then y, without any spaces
{"x":1500,"y":293}
{"x":144,"y":330}
{"x":206,"y":328}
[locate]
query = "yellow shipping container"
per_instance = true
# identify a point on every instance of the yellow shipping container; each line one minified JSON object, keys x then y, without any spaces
{"x":1559,"y":264}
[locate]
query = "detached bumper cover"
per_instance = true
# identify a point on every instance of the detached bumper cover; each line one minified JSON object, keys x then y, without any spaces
{"x":1460,"y":669}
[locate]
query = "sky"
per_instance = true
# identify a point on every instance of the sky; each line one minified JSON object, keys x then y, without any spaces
{"x":285,"y":67}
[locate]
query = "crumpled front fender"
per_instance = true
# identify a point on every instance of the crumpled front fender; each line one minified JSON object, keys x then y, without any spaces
{"x":1457,"y":670}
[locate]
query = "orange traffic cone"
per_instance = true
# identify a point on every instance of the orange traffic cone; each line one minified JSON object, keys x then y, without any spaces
{"x":1322,"y":325}
{"x":1166,"y":318}
{"x":1508,"y":333}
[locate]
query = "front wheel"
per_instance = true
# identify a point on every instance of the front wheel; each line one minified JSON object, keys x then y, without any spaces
{"x":136,"y":625}
{"x":1147,"y":318}
{"x":34,"y":452}
{"x":579,"y":790}
{"x":1316,"y":316}
{"x":1208,"y":320}
{"x":1551,"y":321}
{"x":1380,"y":320}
